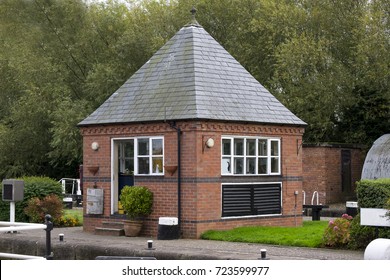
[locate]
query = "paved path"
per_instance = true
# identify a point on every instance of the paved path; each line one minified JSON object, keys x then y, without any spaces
{"x":78,"y":244}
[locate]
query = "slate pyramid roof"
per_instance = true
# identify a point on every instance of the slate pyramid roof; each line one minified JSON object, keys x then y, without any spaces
{"x":192,"y":77}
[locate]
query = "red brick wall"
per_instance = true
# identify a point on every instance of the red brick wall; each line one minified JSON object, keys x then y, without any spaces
{"x":201,"y":173}
{"x":322,"y":172}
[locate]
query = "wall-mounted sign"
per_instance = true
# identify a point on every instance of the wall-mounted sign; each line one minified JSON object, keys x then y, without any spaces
{"x":374,"y":217}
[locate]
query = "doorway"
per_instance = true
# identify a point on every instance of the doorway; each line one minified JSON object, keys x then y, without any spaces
{"x":122,"y":172}
{"x":346,"y":176}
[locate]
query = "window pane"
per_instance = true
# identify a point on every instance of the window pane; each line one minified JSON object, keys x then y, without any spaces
{"x":143,"y":147}
{"x":275,"y":165}
{"x":250,"y":166}
{"x":274,"y":148}
{"x":129,"y":149}
{"x":226,"y":147}
{"x":157,"y":165}
{"x":157,"y":147}
{"x":250,"y":147}
{"x":239,"y":147}
{"x":226,"y":165}
{"x":143,"y":165}
{"x":129,"y":166}
{"x":238,"y":166}
{"x":262,"y":166}
{"x":262,"y":147}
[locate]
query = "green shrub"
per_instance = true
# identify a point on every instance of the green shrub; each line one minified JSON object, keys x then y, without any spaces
{"x":39,"y":187}
{"x":37,"y":209}
{"x":337,"y":234}
{"x":69,"y":221}
{"x":361,"y":236}
{"x":373,"y":193}
{"x":137,"y":201}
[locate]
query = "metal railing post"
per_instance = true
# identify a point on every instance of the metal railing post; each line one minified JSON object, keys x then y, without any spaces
{"x":48,"y":229}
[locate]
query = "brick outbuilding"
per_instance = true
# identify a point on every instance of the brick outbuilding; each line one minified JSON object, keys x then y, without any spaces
{"x":332,"y":171}
{"x":214,"y":146}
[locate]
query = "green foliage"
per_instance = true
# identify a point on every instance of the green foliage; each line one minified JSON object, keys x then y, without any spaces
{"x":361,"y":236}
{"x":370,"y":194}
{"x":38,"y":187}
{"x":326,"y":60}
{"x":69,"y":221}
{"x":309,"y":235}
{"x":136,"y":201}
{"x":337,"y":234}
{"x":37,"y":208}
{"x":373,"y":193}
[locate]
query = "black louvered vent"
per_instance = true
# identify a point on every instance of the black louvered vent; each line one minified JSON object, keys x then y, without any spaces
{"x":245,"y":200}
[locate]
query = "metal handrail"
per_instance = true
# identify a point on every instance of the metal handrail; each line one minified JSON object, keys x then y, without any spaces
{"x":315,"y":194}
{"x":77,"y":181}
{"x":20,"y":256}
{"x":15,"y":226}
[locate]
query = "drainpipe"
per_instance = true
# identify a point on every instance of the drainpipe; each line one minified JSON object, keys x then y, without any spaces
{"x":178,"y":130}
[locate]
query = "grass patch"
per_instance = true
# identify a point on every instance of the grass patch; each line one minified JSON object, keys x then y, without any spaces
{"x":308,"y":235}
{"x":75,"y":213}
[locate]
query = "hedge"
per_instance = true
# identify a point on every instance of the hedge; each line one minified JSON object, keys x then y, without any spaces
{"x":373,"y":193}
{"x":370,"y":194}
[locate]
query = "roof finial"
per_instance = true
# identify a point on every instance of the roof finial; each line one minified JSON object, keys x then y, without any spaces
{"x":193,"y":20}
{"x":193,"y":12}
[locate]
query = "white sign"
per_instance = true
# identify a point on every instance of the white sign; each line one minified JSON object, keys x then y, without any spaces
{"x":374,"y":217}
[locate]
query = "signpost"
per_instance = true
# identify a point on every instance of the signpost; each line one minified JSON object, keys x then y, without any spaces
{"x":374,"y":217}
{"x":378,"y":249}
{"x":13,"y":190}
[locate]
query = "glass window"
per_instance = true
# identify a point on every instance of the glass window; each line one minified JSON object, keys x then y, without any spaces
{"x":126,"y":157}
{"x":262,"y":169}
{"x":274,"y":165}
{"x":226,"y":146}
{"x":262,"y":147}
{"x":143,"y":147}
{"x":141,"y":156}
{"x":226,"y":165}
{"x":157,"y":146}
{"x":238,"y":165}
{"x":251,"y":147}
{"x":238,"y":147}
{"x":251,"y":156}
{"x":274,"y":148}
{"x":251,"y":166}
{"x":143,"y":165}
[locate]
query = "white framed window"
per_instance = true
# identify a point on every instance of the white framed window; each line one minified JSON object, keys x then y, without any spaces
{"x":149,"y":156}
{"x":126,"y":156}
{"x":243,"y":155}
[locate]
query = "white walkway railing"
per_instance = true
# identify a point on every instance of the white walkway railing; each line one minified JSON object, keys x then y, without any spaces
{"x":14,"y":227}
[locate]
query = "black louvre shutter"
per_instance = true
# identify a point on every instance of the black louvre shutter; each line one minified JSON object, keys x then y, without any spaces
{"x":246,"y":200}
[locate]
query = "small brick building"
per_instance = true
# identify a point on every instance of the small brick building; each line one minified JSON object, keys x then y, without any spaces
{"x":214,"y":146}
{"x":332,"y":170}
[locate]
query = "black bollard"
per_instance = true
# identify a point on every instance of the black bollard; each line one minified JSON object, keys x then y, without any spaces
{"x":263,"y":254}
{"x":49,"y":228}
{"x":150,"y":245}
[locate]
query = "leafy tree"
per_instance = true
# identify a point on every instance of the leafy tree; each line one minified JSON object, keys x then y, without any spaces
{"x":328,"y":61}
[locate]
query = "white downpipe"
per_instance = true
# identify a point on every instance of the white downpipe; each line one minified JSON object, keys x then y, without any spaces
{"x":304,"y":197}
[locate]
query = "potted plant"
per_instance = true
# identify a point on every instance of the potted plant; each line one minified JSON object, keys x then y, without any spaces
{"x":137,"y":203}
